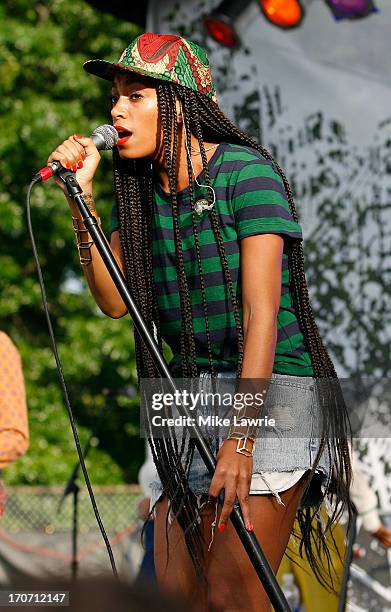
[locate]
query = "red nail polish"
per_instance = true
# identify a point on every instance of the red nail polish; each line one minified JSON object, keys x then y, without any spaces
{"x":74,"y":168}
{"x":250,"y":527}
{"x":67,"y":165}
{"x":79,"y":164}
{"x":222,"y":527}
{"x":78,"y":136}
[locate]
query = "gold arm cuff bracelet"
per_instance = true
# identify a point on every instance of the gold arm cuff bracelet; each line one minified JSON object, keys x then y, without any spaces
{"x":242,"y":446}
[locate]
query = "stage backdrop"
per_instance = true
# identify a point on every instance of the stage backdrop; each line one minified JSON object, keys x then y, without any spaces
{"x":319,"y":98}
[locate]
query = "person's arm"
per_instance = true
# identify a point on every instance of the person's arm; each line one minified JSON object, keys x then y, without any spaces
{"x":261,"y":264}
{"x":365,"y":500}
{"x":81,"y":155}
{"x":3,"y":497}
{"x":14,"y":431}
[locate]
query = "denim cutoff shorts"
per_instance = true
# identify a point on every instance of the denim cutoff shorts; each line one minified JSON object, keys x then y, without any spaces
{"x":283,"y":453}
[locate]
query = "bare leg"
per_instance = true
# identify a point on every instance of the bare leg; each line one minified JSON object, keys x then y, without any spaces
{"x":174,"y":568}
{"x":233,"y":584}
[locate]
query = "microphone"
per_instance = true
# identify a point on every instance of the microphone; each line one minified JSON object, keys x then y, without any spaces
{"x":104,"y":138}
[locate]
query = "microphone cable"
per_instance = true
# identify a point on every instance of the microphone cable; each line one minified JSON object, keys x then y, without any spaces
{"x":63,"y":383}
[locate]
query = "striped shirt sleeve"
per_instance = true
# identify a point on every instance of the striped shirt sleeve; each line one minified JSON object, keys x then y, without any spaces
{"x":260,"y":202}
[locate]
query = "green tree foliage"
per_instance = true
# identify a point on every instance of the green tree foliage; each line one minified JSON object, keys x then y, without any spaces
{"x":46,"y":96}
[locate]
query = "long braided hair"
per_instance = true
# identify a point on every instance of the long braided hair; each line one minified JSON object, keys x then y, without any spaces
{"x":134,"y":193}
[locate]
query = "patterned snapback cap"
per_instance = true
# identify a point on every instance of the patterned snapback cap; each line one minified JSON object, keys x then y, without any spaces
{"x":161,"y":56}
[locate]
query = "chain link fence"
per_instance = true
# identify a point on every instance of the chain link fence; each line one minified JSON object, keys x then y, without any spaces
{"x":36,"y":532}
{"x":42,"y":509}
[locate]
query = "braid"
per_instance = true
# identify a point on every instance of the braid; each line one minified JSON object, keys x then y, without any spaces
{"x":130,"y":219}
{"x":186,"y":120}
{"x":169,"y":124}
{"x":217,"y":231}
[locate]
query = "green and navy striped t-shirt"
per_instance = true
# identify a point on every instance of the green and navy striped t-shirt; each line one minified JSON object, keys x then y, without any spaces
{"x":250,"y":200}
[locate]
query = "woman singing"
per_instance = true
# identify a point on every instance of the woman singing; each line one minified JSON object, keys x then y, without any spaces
{"x":206,"y":232}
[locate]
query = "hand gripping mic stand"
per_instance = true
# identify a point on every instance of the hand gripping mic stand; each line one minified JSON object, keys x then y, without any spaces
{"x":249,"y":541}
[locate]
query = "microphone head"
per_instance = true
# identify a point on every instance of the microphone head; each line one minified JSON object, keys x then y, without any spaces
{"x":105,"y":137}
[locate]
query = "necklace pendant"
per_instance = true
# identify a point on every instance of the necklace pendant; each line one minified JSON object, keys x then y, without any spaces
{"x":202,"y":205}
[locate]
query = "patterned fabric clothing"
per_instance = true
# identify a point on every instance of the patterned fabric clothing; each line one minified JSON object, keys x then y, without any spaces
{"x":14,"y":434}
{"x":161,"y":56}
{"x":250,"y":200}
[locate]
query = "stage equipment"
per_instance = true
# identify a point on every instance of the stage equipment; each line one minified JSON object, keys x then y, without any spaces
{"x":222,"y":23}
{"x":285,"y":14}
{"x":351,"y":9}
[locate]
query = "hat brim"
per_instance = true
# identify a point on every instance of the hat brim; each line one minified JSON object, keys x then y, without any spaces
{"x":108,"y":70}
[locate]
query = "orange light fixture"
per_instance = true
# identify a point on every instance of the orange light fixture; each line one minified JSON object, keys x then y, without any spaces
{"x":283,"y":13}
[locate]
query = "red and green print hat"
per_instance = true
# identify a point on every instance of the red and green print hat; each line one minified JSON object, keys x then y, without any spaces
{"x":161,"y":56}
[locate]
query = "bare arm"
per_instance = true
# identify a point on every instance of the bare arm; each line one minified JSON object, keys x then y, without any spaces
{"x":82,"y":156}
{"x":100,"y":283}
{"x":261,"y":263}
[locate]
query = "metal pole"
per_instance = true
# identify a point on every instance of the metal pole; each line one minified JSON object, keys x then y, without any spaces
{"x":75,"y":531}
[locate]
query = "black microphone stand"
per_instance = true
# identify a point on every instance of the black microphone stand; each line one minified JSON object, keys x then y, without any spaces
{"x":73,"y":487}
{"x":248,"y":539}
